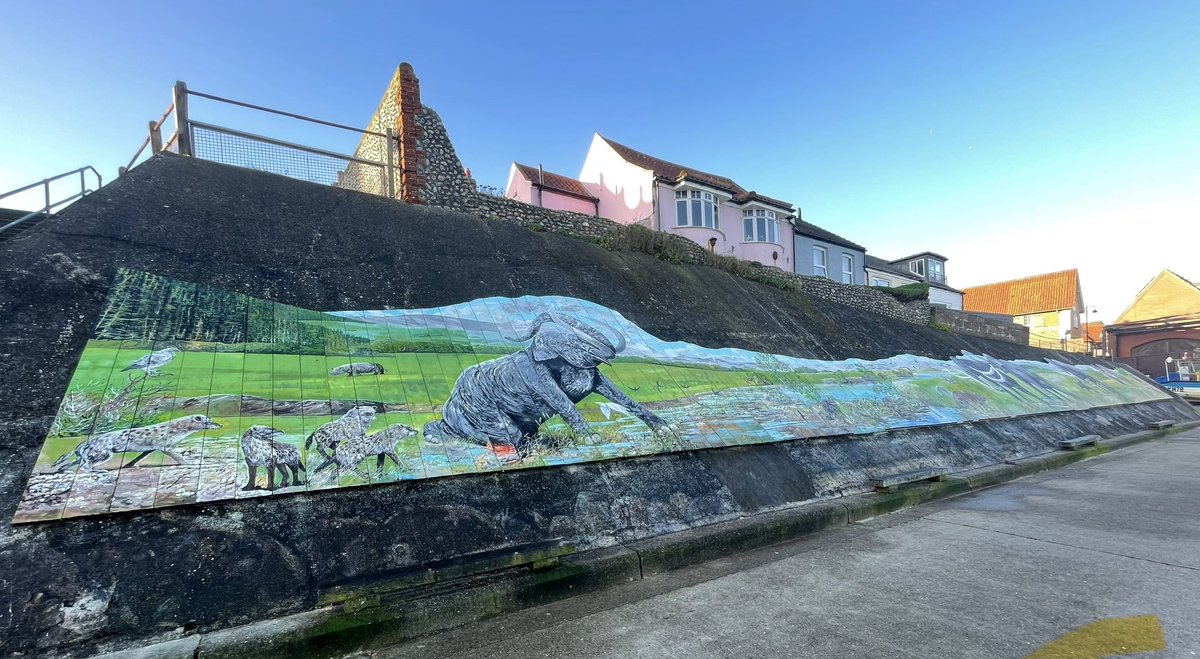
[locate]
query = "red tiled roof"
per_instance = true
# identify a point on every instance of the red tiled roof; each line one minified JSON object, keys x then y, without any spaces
{"x":754,"y":196}
{"x":557,"y":182}
{"x":1017,"y":297}
{"x":672,"y":172}
{"x":1095,"y":331}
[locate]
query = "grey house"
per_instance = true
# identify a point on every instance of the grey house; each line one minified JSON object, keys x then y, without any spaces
{"x":826,"y":254}
{"x":926,"y":267}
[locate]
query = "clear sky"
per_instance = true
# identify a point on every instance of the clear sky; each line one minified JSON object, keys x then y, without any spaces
{"x":1012,"y":137}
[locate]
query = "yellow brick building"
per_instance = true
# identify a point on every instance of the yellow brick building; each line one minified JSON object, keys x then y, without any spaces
{"x":1050,"y":305}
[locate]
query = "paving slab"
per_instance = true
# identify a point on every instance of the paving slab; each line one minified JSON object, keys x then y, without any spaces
{"x":996,"y":573}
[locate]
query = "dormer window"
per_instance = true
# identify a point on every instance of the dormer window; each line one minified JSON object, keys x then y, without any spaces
{"x":696,"y":208}
{"x":760,"y":226}
{"x":936,"y":274}
{"x":929,"y":269}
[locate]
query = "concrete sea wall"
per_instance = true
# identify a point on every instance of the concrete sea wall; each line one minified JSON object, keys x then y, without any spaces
{"x":73,"y":587}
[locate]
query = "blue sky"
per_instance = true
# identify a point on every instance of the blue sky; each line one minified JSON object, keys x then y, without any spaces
{"x":1014,"y":138}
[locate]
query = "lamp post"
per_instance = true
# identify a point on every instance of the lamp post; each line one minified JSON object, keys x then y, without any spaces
{"x":1091,"y":350}
{"x":1087,"y":332}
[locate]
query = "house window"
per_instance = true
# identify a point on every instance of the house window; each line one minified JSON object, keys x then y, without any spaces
{"x":847,"y":269}
{"x":876,"y":281}
{"x":697,"y":209}
{"x":935,"y":272}
{"x":819,"y":261}
{"x":760,"y":226}
{"x":917,"y":267}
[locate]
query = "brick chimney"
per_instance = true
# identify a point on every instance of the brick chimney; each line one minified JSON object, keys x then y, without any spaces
{"x":412,"y":159}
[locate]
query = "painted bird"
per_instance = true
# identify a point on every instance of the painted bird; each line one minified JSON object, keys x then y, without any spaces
{"x":609,"y":409}
{"x":153,"y":361}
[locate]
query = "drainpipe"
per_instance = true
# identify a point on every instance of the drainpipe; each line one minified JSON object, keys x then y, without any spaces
{"x":541,"y":183}
{"x":654,"y":204}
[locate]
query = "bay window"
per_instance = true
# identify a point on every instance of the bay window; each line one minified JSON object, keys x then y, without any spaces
{"x":760,"y":226}
{"x":697,"y":209}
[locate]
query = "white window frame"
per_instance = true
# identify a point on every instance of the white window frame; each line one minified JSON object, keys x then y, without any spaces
{"x":694,"y":203}
{"x":879,"y":281}
{"x":760,"y":225}
{"x":847,"y":271}
{"x":820,"y":269}
{"x":917,"y":267}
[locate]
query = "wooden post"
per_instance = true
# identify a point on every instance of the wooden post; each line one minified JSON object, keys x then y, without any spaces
{"x":183,"y":127}
{"x":155,"y":137}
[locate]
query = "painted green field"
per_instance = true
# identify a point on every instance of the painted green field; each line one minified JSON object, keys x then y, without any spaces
{"x":416,"y":379}
{"x":416,"y":384}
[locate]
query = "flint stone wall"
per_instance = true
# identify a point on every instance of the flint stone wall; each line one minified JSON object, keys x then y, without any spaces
{"x":965,"y":323}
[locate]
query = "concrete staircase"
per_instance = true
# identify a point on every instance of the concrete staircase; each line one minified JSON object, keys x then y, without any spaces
{"x":9,"y":214}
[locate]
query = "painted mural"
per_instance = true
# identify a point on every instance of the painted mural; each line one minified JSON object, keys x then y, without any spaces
{"x":191,"y":394}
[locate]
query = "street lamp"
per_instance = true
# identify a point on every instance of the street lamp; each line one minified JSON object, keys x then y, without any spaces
{"x":1087,"y":330}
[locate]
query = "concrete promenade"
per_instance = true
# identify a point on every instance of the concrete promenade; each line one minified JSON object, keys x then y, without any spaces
{"x":1097,"y":558}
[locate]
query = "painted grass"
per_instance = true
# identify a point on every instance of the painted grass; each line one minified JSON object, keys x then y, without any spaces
{"x":420,"y":379}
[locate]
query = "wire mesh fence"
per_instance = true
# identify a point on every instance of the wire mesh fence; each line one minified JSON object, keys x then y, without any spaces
{"x":294,"y":161}
{"x":371,"y":168}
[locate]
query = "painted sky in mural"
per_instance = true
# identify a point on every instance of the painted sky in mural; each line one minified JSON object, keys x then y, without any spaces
{"x":190,"y":394}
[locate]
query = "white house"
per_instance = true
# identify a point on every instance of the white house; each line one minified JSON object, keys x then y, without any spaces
{"x":922,"y":268}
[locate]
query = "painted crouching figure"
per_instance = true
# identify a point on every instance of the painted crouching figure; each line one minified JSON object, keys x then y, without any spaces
{"x":358,"y":368}
{"x":352,"y":424}
{"x":162,"y":437}
{"x":350,"y":453}
{"x":260,"y":449}
{"x":501,"y":403}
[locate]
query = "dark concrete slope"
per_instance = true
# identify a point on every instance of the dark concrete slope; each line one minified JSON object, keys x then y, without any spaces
{"x":70,"y":586}
{"x":328,"y":249}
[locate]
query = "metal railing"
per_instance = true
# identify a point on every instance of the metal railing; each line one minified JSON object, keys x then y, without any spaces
{"x":371,"y":168}
{"x":50,"y":204}
{"x":1065,"y":345}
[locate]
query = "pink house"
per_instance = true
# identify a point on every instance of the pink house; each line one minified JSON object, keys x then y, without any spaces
{"x":631,"y":187}
{"x":535,"y":186}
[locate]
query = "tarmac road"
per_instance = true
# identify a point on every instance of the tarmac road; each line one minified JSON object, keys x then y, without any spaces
{"x":1098,"y":558}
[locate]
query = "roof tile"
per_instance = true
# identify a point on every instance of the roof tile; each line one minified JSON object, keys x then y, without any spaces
{"x":1017,"y":297}
{"x":553,"y":181}
{"x":673,"y":172}
{"x":813,"y":231}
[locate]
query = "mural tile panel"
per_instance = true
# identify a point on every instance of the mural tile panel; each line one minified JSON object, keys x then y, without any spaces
{"x":191,"y":394}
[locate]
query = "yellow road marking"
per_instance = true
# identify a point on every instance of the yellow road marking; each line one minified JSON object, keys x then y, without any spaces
{"x":1106,"y":638}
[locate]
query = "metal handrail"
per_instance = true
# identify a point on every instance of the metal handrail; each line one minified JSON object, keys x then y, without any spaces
{"x":192,"y":92}
{"x":45,"y":183}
